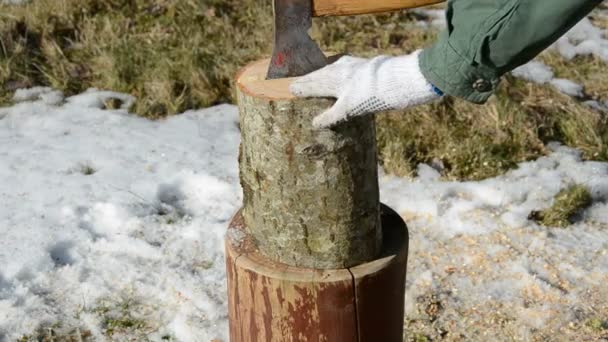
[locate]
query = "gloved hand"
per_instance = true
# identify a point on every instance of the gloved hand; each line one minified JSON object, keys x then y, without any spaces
{"x":365,"y":86}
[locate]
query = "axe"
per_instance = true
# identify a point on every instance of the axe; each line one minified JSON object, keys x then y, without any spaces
{"x":295,"y":53}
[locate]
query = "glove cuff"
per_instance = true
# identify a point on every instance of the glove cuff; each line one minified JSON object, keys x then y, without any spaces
{"x":403,"y":84}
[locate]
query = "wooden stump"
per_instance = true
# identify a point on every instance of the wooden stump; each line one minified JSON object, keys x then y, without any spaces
{"x":271,"y":302}
{"x":311,"y":196}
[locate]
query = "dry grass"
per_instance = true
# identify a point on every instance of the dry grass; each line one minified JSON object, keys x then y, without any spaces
{"x":474,"y":142}
{"x":122,"y":319}
{"x":175,"y":55}
{"x":172,"y":55}
{"x":57,"y":333}
{"x":589,"y":71}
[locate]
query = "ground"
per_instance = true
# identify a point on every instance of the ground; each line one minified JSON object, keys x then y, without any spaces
{"x":112,"y":223}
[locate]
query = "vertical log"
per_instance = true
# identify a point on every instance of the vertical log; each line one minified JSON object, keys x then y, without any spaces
{"x":310,"y":196}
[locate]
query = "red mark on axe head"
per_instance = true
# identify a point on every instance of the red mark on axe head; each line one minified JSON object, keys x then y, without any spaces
{"x":280,"y":58}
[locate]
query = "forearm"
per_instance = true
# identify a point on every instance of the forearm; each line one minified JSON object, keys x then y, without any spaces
{"x":485,"y":39}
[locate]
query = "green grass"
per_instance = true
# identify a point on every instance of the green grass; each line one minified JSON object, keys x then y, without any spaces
{"x":420,"y":338}
{"x":174,"y":55}
{"x":87,"y":169}
{"x":55,"y":333}
{"x":597,"y":324}
{"x":122,"y":318}
{"x":567,"y":204}
{"x":119,"y":318}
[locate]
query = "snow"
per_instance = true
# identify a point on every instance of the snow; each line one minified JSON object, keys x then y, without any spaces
{"x":597,"y":105}
{"x":94,"y":98}
{"x":534,"y":71}
{"x":485,"y":206}
{"x":583,"y":39}
{"x":481,"y":232}
{"x":46,"y":94}
{"x":540,"y":73}
{"x":568,"y":87}
{"x":98,"y":206}
{"x":427,"y":172}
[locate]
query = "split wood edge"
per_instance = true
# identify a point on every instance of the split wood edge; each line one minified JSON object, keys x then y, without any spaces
{"x":252,"y":81}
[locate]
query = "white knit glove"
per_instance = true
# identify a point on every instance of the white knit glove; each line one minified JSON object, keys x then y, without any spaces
{"x":365,"y":86}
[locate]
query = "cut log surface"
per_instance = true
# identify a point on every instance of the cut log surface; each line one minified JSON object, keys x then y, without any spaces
{"x":311,"y":196}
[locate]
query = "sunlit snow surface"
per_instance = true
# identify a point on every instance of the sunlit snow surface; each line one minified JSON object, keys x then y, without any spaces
{"x":147,"y":223}
{"x":100,"y":206}
{"x":474,"y":250}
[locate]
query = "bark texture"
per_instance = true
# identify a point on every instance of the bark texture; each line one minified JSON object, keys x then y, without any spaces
{"x":310,"y":196}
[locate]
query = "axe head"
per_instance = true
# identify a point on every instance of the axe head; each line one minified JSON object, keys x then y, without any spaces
{"x":295,"y":53}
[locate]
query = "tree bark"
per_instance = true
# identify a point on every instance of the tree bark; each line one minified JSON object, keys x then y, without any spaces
{"x":311,"y":196}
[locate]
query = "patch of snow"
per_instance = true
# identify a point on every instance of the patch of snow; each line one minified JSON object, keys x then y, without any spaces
{"x":46,"y":94}
{"x":583,"y":39}
{"x":511,"y":196}
{"x":480,"y":230}
{"x":597,"y":105}
{"x":534,"y":71}
{"x":426,"y":172}
{"x":96,"y":205}
{"x":598,"y":212}
{"x":568,"y":87}
{"x":93,"y":98}
{"x":540,"y":73}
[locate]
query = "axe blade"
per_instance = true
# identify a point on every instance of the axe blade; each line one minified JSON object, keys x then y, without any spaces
{"x":295,"y":53}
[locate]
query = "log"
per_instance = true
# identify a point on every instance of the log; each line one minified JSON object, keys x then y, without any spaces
{"x":311,"y":196}
{"x":273,"y":302}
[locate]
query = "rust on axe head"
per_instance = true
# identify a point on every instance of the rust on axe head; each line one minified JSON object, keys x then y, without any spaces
{"x":295,"y":53}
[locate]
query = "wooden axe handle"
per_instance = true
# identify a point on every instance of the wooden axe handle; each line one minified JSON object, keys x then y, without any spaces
{"x":323,"y":8}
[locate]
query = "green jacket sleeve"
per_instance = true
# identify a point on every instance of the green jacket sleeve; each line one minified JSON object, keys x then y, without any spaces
{"x":486,"y":38}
